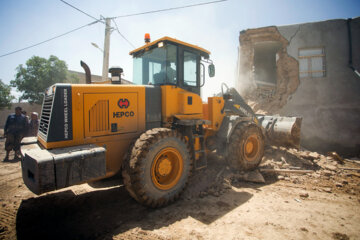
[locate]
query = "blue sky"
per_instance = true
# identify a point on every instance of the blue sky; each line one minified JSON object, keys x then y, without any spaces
{"x":214,"y":27}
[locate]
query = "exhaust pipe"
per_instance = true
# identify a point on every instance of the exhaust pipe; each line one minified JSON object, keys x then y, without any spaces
{"x":281,"y":131}
{"x":87,"y":72}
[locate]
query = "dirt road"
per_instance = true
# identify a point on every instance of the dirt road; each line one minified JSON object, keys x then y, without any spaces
{"x":218,"y":204}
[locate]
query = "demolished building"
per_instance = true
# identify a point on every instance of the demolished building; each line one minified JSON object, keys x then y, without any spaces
{"x":309,"y":70}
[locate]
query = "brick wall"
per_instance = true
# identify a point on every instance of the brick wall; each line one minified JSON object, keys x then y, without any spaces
{"x":25,"y":106}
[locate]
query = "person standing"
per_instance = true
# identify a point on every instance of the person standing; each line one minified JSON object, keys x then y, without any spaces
{"x":14,"y":130}
{"x":33,"y":124}
{"x":26,"y":131}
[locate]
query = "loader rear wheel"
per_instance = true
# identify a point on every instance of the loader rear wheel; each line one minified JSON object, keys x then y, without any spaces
{"x":158,"y":167}
{"x":246,"y":147}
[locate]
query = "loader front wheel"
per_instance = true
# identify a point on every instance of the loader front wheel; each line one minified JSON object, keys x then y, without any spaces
{"x":246,"y":147}
{"x":158,"y":167}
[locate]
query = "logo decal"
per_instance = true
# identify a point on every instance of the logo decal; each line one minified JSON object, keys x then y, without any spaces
{"x":123,"y":103}
{"x":123,"y":114}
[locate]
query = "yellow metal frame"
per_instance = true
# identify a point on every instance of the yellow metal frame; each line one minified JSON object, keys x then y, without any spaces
{"x":116,"y":144}
{"x":146,"y":46}
{"x":175,"y":104}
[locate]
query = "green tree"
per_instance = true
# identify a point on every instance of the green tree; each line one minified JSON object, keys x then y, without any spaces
{"x":72,"y":78}
{"x":5,"y":95}
{"x":38,"y":74}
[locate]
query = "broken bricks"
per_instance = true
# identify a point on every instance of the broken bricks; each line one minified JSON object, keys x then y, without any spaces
{"x":327,"y":173}
{"x":304,"y":194}
{"x":336,"y":157}
{"x":253,"y":176}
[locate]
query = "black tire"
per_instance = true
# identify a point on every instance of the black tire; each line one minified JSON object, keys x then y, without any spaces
{"x":147,"y":174}
{"x":245,"y":149}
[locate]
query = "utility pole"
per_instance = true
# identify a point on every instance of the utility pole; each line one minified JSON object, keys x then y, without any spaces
{"x":106,"y":50}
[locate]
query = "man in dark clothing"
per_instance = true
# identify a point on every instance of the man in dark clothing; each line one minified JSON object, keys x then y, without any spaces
{"x":14,"y":131}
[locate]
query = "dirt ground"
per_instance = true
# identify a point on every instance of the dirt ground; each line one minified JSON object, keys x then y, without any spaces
{"x":217,"y":204}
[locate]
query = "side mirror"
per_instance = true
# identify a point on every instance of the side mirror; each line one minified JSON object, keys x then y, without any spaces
{"x":211,"y":70}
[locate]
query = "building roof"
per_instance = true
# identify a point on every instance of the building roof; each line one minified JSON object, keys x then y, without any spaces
{"x":94,"y":78}
{"x":297,"y":24}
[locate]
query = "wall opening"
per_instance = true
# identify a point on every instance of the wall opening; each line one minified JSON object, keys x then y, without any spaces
{"x":267,"y":74}
{"x":265,"y":63}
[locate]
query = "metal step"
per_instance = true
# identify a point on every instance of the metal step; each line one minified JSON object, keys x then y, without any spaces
{"x":201,"y":162}
{"x":198,"y":136}
{"x":200,"y":151}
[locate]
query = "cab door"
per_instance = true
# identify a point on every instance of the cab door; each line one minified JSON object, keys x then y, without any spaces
{"x":190,"y":70}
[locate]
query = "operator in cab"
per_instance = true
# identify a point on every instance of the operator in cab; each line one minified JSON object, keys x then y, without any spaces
{"x":166,"y":75}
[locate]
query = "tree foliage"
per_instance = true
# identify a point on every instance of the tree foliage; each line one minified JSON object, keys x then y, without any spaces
{"x":37,"y":75}
{"x":5,"y":95}
{"x":72,"y":78}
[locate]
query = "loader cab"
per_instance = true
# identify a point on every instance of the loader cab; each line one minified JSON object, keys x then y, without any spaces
{"x":168,"y":61}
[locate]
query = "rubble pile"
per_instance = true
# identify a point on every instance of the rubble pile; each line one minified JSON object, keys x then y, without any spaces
{"x":313,"y":171}
{"x":328,"y":173}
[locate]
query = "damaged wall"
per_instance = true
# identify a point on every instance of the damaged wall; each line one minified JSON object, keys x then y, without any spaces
{"x":327,"y":97}
{"x":252,"y":84}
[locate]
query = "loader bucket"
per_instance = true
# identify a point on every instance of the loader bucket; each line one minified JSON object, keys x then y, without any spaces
{"x":281,"y":131}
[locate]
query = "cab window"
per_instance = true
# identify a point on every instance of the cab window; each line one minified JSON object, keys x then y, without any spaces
{"x":190,"y":69}
{"x":157,"y":66}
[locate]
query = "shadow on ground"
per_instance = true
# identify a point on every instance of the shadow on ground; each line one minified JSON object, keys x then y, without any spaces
{"x":12,"y":160}
{"x":104,"y":213}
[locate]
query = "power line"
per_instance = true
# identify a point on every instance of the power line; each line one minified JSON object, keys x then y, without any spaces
{"x":82,"y":11}
{"x":156,"y":11}
{"x":169,"y":9}
{"x":48,"y":40}
{"x":99,"y":20}
{"x":117,"y":29}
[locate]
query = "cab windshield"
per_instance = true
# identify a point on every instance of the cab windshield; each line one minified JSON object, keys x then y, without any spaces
{"x":156,"y":67}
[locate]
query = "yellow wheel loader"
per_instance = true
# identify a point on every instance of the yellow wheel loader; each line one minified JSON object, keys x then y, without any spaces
{"x":156,"y":131}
